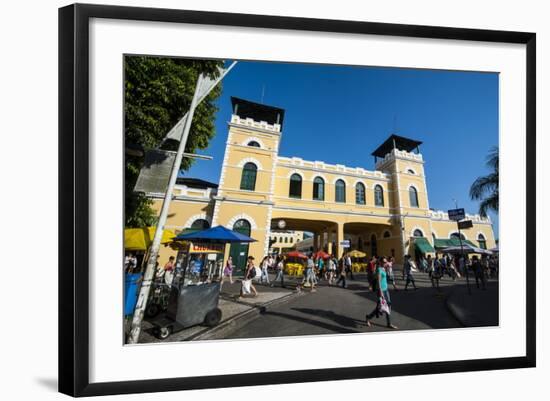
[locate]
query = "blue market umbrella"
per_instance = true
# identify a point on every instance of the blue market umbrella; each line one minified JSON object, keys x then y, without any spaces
{"x":215,"y":235}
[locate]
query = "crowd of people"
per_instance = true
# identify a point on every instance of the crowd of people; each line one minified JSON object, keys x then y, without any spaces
{"x":335,"y":271}
{"x":456,"y":266}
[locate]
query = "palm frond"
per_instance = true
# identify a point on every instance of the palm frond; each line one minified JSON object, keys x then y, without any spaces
{"x":490,"y":203}
{"x":484,"y":185}
{"x":492,"y":158}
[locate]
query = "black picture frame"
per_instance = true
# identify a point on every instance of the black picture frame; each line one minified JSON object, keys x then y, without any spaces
{"x":74,"y":198}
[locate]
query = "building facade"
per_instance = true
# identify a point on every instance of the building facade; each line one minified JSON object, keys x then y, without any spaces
{"x":281,"y":241}
{"x":382,"y":212}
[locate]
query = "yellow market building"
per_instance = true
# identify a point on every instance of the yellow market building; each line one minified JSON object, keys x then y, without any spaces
{"x":381,"y":212}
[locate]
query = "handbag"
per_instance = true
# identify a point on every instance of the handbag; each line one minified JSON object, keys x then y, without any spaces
{"x":246,"y":286}
{"x":383,"y":305}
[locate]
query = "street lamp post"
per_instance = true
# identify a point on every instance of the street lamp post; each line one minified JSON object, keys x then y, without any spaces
{"x":462,"y":253}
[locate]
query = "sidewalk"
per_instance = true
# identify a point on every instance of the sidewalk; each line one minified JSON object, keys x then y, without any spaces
{"x":234,"y":310}
{"x":475,"y":310}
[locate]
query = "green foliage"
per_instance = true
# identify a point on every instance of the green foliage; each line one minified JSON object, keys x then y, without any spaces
{"x":485,"y":188}
{"x":158,"y":92}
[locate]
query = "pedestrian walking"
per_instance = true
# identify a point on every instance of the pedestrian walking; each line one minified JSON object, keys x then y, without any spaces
{"x":227,"y":272}
{"x":479,"y":275}
{"x":383,"y":304}
{"x":249,"y":274}
{"x":371,"y":270}
{"x":347,"y":262}
{"x":437,"y":272}
{"x":331,"y":270}
{"x":423,"y":264}
{"x":320,"y":267}
{"x":407,"y":271}
{"x":280,"y":267}
{"x":342,"y":273}
{"x":430,"y":264}
{"x":388,"y":266}
{"x":310,"y":273}
{"x":264,"y":278}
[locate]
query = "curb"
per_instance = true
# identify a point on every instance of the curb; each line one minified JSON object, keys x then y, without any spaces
{"x":227,"y":326}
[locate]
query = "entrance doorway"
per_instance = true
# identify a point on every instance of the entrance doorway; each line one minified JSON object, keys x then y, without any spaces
{"x":239,"y":252}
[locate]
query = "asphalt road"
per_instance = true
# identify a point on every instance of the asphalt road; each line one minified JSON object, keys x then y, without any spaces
{"x":332,"y":310}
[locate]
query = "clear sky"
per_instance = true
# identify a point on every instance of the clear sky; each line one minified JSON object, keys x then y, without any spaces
{"x":340,"y":114}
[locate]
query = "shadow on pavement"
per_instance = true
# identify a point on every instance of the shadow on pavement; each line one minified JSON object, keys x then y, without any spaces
{"x":338,"y":319}
{"x":428,"y":305}
{"x":330,"y":327}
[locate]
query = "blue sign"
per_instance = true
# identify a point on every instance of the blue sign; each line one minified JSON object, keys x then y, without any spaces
{"x":456,"y":214}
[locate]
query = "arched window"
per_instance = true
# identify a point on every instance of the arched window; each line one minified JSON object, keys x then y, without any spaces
{"x":318,"y":189}
{"x":418,"y":233}
{"x":359,"y":193}
{"x":200,"y":224}
{"x":242,"y":226}
{"x":254,"y":144}
{"x":413,"y":197}
{"x":295,"y":188}
{"x":387,"y":234}
{"x":482,"y":241}
{"x":410,"y":171}
{"x":340,"y":188}
{"x":456,"y":236}
{"x":248,"y":178}
{"x":378,"y":196}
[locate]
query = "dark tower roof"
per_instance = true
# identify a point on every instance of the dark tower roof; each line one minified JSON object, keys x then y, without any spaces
{"x":257,"y":112}
{"x":398,"y":142}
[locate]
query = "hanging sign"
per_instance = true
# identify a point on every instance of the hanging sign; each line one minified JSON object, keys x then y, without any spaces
{"x":197,"y":247}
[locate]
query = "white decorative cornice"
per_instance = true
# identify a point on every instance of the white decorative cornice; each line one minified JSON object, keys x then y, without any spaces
{"x":250,"y":123}
{"x":339,"y":169}
{"x":476,"y":218}
{"x":399,"y":154}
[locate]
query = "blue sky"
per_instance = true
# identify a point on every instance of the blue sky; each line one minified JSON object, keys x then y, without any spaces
{"x":340,"y":114}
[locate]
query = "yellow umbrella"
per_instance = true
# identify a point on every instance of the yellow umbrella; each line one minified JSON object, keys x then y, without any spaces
{"x":357,"y":254}
{"x":140,"y":239}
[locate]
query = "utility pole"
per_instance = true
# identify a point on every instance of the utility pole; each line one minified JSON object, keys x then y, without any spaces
{"x":203,"y":87}
{"x":462,"y":253}
{"x":153,"y":255}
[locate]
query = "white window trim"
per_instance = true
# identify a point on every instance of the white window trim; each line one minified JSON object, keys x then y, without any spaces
{"x":419,"y":229}
{"x":340,"y":178}
{"x":456,"y":231}
{"x":200,"y":216}
{"x":296,"y":172}
{"x":250,"y":160}
{"x":255,"y":139}
{"x":243,"y":216}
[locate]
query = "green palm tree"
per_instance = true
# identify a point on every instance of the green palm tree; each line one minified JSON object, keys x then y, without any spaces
{"x":485,"y":189}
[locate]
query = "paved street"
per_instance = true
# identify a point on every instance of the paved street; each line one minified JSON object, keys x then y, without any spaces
{"x":285,"y":311}
{"x":337,"y":310}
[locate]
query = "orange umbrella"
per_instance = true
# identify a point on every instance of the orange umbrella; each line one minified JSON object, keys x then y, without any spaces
{"x":296,"y":254}
{"x":322,"y":255}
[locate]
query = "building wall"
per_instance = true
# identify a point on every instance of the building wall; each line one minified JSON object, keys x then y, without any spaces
{"x":392,"y":225}
{"x":285,"y":239}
